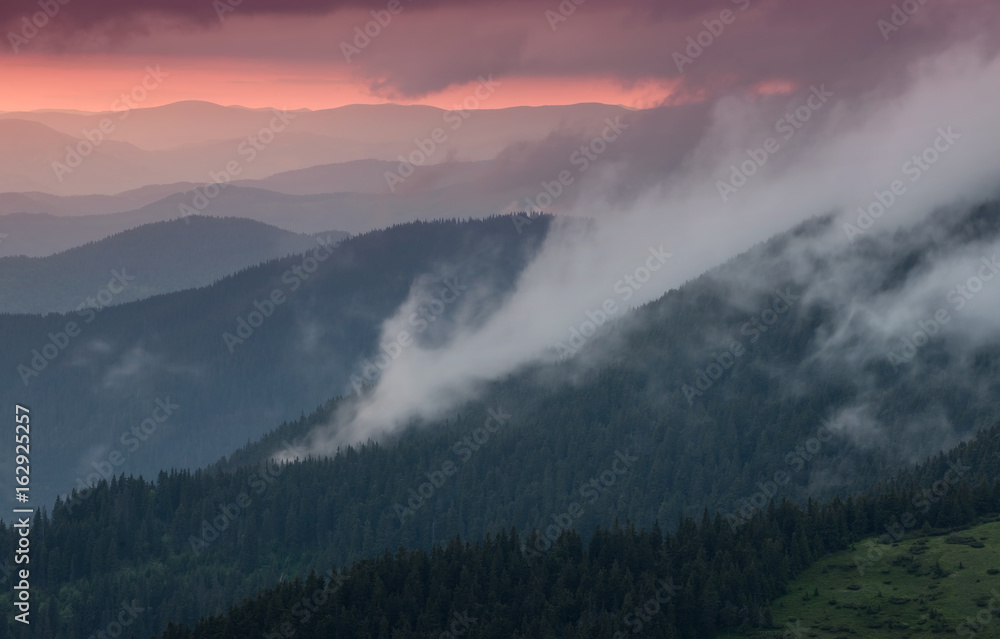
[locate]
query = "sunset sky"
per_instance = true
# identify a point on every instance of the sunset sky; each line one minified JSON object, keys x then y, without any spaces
{"x":294,"y":54}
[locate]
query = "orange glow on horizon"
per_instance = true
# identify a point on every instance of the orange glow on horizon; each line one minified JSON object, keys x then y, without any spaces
{"x":775,"y":87}
{"x":94,"y":83}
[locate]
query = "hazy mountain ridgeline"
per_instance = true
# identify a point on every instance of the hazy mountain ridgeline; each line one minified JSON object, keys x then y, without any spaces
{"x":189,"y":141}
{"x":191,"y":122}
{"x":527,"y":150}
{"x":162,"y":258}
{"x":37,"y":202}
{"x":352,"y":197}
{"x":43,"y":234}
{"x":179,"y":380}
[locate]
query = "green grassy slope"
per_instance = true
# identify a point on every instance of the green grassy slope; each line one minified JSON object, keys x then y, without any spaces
{"x":938,"y":584}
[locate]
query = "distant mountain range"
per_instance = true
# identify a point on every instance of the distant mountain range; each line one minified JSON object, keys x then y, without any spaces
{"x":69,"y":153}
{"x":162,"y":163}
{"x":154,"y":258}
{"x":42,"y":234}
{"x":353,"y":197}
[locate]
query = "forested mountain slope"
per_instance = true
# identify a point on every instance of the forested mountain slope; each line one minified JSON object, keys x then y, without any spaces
{"x":607,"y":435}
{"x":708,"y":574}
{"x":179,"y":380}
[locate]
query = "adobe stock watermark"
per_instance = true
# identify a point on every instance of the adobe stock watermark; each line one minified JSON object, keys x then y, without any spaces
{"x":116,"y":627}
{"x":787,"y":126}
{"x":590,"y":492}
{"x":582,"y":158}
{"x":563,"y":12}
{"x":914,"y":168}
{"x":304,"y":609}
{"x":901,"y":14}
{"x":222,"y":7}
{"x":974,"y":625}
{"x":30,"y":26}
{"x":438,"y":137}
{"x":959,"y":296}
{"x":60,"y":340}
{"x":364,"y":34}
{"x":460,"y":624}
{"x":757,"y":325}
{"x":230,"y":512}
{"x":698,"y":43}
{"x":293,"y":278}
{"x":626,"y":287}
{"x":463,"y":449}
{"x":248,"y":149}
{"x":93,"y":138}
{"x":796,"y":459}
{"x":637,"y":618}
{"x":419,"y":320}
{"x":922,"y":502}
{"x":131,"y":440}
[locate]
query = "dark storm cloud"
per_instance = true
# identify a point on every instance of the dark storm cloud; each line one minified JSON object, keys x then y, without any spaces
{"x":443,"y":43}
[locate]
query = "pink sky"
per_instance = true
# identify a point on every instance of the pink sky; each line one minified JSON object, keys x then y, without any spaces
{"x":94,"y":82}
{"x":293,"y":53}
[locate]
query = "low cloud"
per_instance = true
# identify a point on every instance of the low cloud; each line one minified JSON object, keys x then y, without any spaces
{"x":834,"y":163}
